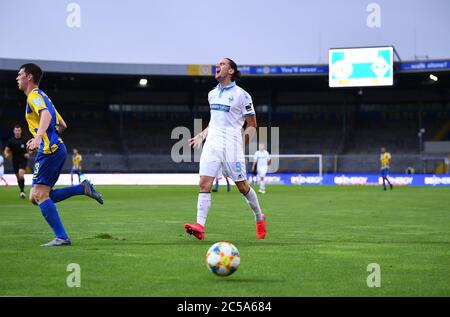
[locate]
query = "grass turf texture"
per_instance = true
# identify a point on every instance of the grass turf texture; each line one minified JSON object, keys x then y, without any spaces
{"x":320,"y":241}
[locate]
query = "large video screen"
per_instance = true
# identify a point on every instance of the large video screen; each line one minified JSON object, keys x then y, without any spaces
{"x":361,"y":67}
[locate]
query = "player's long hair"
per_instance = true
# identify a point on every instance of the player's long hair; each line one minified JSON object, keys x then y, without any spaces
{"x":237,"y":73}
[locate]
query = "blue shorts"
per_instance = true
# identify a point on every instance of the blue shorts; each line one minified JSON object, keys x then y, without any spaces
{"x":384,"y":172}
{"x":47,"y":167}
{"x":75,"y":171}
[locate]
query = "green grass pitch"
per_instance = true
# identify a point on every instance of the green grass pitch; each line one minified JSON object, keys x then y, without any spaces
{"x":320,"y":241}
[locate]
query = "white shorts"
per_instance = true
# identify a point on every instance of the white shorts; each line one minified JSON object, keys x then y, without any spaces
{"x":261,"y":171}
{"x":231,"y":162}
{"x":220,"y":173}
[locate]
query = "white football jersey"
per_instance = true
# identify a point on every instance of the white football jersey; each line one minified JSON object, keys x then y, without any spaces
{"x":262,"y":158}
{"x":229,"y":106}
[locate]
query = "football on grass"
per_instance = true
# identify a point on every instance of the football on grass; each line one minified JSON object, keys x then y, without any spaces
{"x":223,"y":258}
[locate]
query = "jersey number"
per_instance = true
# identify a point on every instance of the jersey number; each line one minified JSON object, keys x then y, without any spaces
{"x":36,"y":170}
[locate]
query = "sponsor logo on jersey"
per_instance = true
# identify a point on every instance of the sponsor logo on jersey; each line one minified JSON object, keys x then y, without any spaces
{"x":220,"y":107}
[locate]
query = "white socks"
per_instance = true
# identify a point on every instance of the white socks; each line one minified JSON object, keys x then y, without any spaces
{"x":203,"y":205}
{"x":252,"y":201}
{"x":262,"y":185}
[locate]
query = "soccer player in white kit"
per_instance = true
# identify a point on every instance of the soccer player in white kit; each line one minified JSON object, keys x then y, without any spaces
{"x":262,"y":162}
{"x":230,"y":106}
{"x":2,"y":170}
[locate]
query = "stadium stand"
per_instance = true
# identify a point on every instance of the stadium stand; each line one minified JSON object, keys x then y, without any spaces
{"x":121,"y":128}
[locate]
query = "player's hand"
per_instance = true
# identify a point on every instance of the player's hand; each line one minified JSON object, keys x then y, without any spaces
{"x":196,"y":141}
{"x":59,"y":129}
{"x":33,"y":144}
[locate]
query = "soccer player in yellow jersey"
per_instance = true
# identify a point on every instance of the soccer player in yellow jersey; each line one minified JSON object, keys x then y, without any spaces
{"x":385,"y":160}
{"x":76,"y":165}
{"x":46,"y":126}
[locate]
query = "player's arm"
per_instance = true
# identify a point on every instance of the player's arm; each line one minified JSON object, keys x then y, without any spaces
{"x":250,"y":130}
{"x":7,"y":152}
{"x":27,"y":154}
{"x":197,"y":140}
{"x":44,"y":122}
{"x":60,"y":124}
{"x":248,"y":111}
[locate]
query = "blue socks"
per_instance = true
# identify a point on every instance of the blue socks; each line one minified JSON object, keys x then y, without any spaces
{"x":57,"y":195}
{"x":50,"y":213}
{"x":216,"y":187}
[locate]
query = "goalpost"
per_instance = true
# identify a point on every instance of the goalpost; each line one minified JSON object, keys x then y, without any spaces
{"x":293,"y":163}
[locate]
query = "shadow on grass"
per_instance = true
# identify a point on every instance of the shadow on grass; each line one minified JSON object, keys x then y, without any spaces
{"x":237,"y":280}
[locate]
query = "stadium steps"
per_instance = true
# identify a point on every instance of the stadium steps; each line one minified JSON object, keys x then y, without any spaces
{"x":443,"y":132}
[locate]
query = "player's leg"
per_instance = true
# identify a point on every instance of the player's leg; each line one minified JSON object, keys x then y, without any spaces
{"x":204,"y":199}
{"x":262,"y":174}
{"x":383,"y":175}
{"x":84,"y":188}
{"x":71,"y":176}
{"x":252,"y":200}
{"x":3,"y":179}
{"x":6,"y":183}
{"x":21,"y":182}
{"x":216,"y":186}
{"x":203,"y":206}
{"x":16,"y":172}
{"x":236,"y":170}
{"x":79,"y":177}
{"x":41,"y":197}
{"x":209,"y":168}
{"x":250,"y":197}
{"x":31,"y":197}
{"x":228,"y":184}
{"x":20,"y":175}
{"x":387,"y":179}
{"x":262,"y":183}
{"x":47,"y":169}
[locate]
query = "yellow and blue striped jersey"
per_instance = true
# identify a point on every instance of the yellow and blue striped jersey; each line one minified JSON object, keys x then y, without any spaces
{"x":37,"y":101}
{"x":385,"y":159}
{"x":76,"y":160}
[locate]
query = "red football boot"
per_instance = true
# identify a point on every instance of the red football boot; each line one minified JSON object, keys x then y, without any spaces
{"x":261,"y":228}
{"x":196,"y":230}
